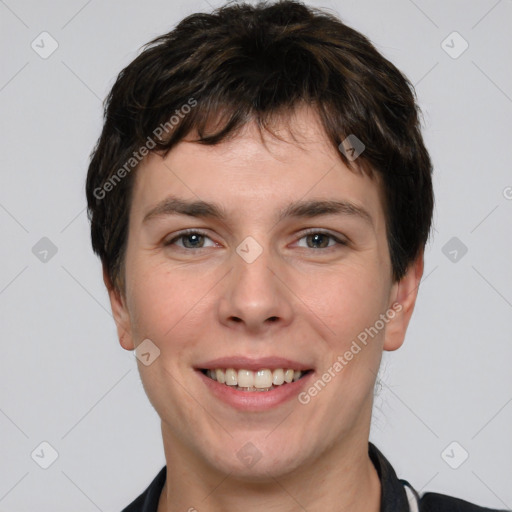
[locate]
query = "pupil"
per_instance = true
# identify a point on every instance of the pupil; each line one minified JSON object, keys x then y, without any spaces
{"x":192,"y":236}
{"x":317,"y":236}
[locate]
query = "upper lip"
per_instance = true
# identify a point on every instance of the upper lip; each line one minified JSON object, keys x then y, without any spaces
{"x":245,"y":363}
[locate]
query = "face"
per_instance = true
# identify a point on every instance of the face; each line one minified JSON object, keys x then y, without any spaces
{"x":287,"y":270}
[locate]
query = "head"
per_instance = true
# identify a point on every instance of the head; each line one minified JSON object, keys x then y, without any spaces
{"x":238,"y":126}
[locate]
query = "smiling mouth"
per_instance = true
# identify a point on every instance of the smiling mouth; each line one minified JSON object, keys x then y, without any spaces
{"x":260,"y":380}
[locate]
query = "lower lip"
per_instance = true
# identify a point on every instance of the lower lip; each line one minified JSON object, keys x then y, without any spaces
{"x":255,"y":400}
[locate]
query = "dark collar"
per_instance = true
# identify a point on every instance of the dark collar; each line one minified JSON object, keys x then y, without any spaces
{"x":393,"y":497}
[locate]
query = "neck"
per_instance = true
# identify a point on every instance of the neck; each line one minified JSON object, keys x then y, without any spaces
{"x":343,"y":479}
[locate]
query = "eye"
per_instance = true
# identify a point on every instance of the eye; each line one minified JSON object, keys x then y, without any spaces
{"x":320,"y":240}
{"x":192,"y":239}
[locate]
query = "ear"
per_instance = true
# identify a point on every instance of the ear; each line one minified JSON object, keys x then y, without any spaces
{"x":120,"y":313}
{"x":403,"y":293}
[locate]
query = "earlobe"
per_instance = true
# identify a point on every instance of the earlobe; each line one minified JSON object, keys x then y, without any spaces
{"x":125,"y":340}
{"x":119,"y":312}
{"x":404,"y":293}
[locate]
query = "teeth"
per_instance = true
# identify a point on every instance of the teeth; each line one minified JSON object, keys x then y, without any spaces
{"x":219,"y":376}
{"x":245,"y":378}
{"x":231,"y":377}
{"x":277,"y":377}
{"x":261,"y":380}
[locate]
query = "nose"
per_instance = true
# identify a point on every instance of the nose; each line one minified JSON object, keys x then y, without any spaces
{"x":255,"y":297}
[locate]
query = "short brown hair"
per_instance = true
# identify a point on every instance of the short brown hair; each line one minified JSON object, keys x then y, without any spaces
{"x":244,"y":63}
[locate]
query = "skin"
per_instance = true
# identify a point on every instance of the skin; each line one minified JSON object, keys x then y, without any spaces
{"x":199,"y":304}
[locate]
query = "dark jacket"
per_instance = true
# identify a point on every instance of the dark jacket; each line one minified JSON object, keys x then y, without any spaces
{"x":393,"y":495}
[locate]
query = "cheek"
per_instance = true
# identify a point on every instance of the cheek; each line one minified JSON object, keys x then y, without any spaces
{"x":355,"y":300}
{"x":353,"y":348}
{"x":349,"y":301}
{"x":167,"y":304}
{"x":169,"y":309}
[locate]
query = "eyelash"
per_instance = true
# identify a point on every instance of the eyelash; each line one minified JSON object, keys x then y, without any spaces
{"x":312,"y":231}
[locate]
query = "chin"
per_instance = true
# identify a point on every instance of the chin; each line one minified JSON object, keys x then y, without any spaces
{"x":254,"y":461}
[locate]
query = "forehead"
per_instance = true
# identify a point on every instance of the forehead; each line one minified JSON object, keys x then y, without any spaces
{"x":256,"y":173}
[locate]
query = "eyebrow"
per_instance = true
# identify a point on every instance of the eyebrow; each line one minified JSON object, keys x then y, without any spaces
{"x":298,"y":209}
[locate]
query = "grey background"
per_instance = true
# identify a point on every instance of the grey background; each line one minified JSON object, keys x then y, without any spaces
{"x":65,"y":378}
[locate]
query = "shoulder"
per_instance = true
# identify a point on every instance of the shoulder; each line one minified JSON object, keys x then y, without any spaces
{"x":434,"y":502}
